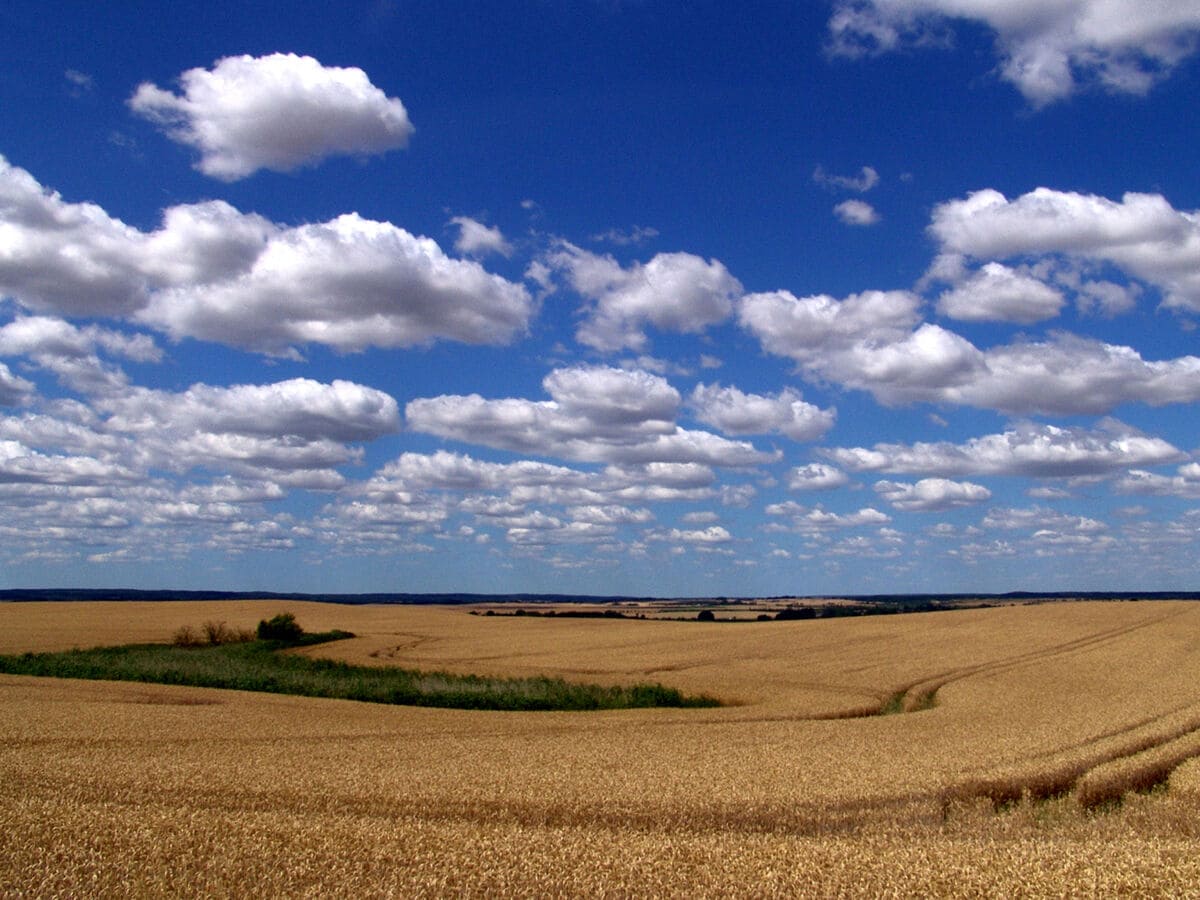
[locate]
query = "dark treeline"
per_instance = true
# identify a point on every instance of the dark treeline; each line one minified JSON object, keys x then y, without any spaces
{"x":902,"y":601}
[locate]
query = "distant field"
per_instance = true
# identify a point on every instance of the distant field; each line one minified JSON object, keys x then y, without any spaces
{"x":1002,"y":766}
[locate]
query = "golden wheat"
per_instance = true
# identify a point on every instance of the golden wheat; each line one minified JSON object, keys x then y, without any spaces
{"x":147,"y":789}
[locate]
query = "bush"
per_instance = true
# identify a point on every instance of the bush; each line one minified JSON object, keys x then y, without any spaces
{"x":706,"y":615}
{"x":282,"y":627}
{"x":186,"y":637}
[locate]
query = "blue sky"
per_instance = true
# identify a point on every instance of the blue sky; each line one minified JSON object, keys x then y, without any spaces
{"x":643,"y":298}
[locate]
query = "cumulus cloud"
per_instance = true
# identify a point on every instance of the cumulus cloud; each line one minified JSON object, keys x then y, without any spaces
{"x":477,"y":239}
{"x":24,"y":465}
{"x":856,"y":212}
{"x":14,"y":390}
{"x":673,"y":292}
{"x":290,"y":434}
{"x":1071,"y":375}
{"x":456,"y":471}
{"x":931,"y":494}
{"x":349,"y":283}
{"x":871,"y":341}
{"x":1142,"y":234}
{"x":277,"y":112}
{"x":816,"y":477}
{"x":595,"y":414}
{"x":69,"y":257}
{"x":1045,"y":48}
{"x":72,"y":353}
{"x":213,"y":273}
{"x":533,"y":503}
{"x":1041,"y":517}
{"x":735,"y":412}
{"x":74,"y":259}
{"x":714,"y":534}
{"x":803,"y":328}
{"x":816,"y":519}
{"x":299,"y":407}
{"x":1185,"y":483}
{"x":1034,"y":450}
{"x":997,"y":293}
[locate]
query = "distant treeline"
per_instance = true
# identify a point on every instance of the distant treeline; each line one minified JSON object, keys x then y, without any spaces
{"x":900,"y":601}
{"x":43,"y":595}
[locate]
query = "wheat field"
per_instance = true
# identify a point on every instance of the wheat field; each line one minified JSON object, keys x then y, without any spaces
{"x":1037,"y":750}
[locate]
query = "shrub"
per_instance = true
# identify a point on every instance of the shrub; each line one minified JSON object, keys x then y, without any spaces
{"x":282,"y":627}
{"x":706,"y":615}
{"x":186,"y":637}
{"x":217,"y":633}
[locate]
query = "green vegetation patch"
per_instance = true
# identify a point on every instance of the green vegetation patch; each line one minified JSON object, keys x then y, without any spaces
{"x":258,"y":665}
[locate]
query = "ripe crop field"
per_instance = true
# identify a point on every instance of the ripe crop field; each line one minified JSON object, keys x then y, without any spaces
{"x":1005,"y":768}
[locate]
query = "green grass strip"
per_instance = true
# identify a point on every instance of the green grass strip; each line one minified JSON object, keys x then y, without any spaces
{"x":259,"y":666}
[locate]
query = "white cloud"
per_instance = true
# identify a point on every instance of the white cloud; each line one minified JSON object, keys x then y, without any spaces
{"x":293,"y":433}
{"x":872,"y":342}
{"x":1070,"y":375}
{"x":869,"y":341}
{"x":71,"y":353}
{"x":806,"y":328}
{"x":350,"y":283}
{"x":735,"y":412}
{"x":24,"y":465}
{"x":856,"y":212}
{"x":454,"y":471}
{"x":68,"y":257}
{"x":81,"y":82}
{"x":816,"y":519}
{"x":932,"y":494}
{"x":1039,"y":518}
{"x":277,"y":112}
{"x":213,"y":273}
{"x":816,"y":477}
{"x":14,"y":390}
{"x":1045,"y":47}
{"x":1142,"y":234}
{"x":997,"y":293}
{"x":638,"y":234}
{"x":477,"y":239}
{"x":861,"y":183}
{"x":596,"y":414}
{"x":714,"y":534}
{"x":1030,"y":449}
{"x":672,"y":292}
{"x":1186,"y":483}
{"x":299,"y":408}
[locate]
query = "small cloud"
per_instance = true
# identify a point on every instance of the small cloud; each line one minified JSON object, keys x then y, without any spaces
{"x":477,"y":239}
{"x":856,"y":212}
{"x":1048,"y":493}
{"x":79,"y":83}
{"x":636,"y":235}
{"x":860,"y":183}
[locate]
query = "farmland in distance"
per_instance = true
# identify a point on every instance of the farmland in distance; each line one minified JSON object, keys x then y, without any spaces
{"x":1028,"y":749}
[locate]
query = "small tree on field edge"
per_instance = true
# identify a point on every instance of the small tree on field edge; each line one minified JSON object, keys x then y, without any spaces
{"x":282,"y":627}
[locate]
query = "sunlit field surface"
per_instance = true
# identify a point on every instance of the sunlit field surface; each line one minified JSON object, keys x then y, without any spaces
{"x":1030,"y":750}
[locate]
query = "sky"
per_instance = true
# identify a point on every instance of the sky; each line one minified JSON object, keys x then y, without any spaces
{"x":600,"y":296}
